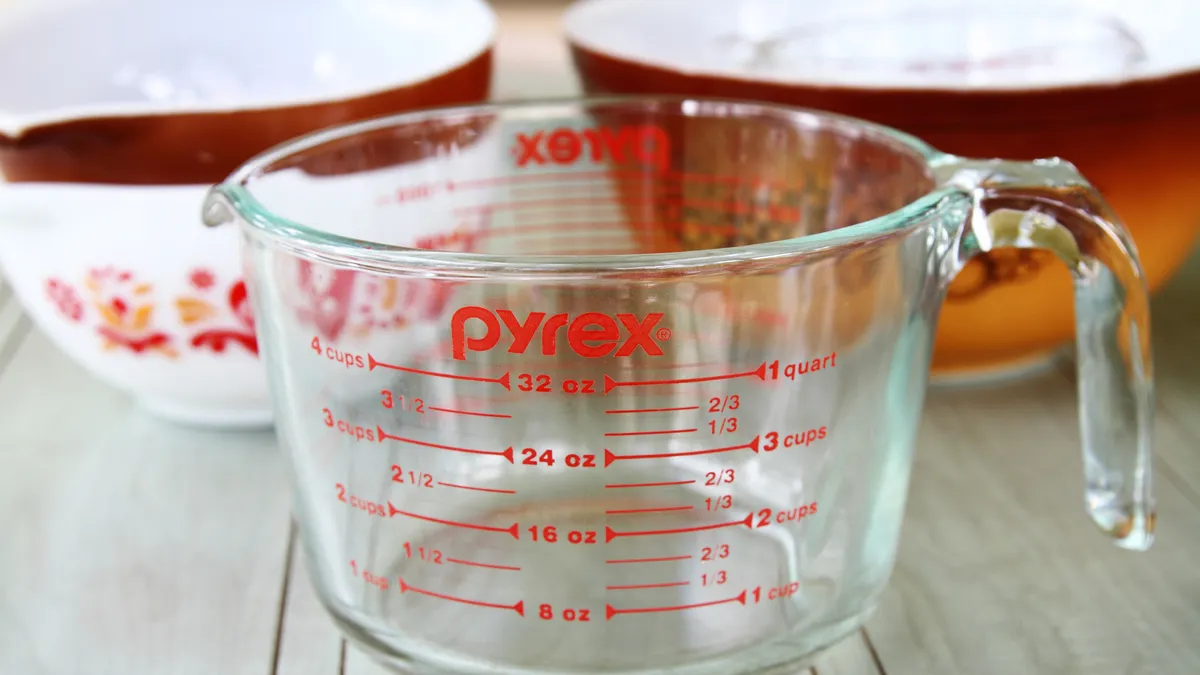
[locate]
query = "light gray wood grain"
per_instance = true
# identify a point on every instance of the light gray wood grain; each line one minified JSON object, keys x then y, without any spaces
{"x":130,"y":547}
{"x":848,"y":658}
{"x":358,"y":663}
{"x":1000,"y":571}
{"x":309,"y":643}
{"x":851,"y":657}
{"x":532,"y":61}
{"x":14,"y":325}
{"x":1177,"y":353}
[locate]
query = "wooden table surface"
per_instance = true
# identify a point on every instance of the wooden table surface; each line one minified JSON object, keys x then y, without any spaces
{"x":133,"y":547}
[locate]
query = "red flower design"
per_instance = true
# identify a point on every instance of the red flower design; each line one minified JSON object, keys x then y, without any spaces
{"x":325,"y":293}
{"x":65,"y":299}
{"x":239,"y":302}
{"x":202,"y":279}
{"x":218,"y":340}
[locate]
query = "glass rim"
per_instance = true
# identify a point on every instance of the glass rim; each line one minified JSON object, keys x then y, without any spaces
{"x":238,"y":193}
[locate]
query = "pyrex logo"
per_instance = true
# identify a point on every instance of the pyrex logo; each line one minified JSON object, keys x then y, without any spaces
{"x":645,"y":144}
{"x":591,"y":335}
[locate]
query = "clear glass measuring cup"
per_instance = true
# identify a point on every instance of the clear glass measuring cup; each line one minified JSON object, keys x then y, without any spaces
{"x":632,"y":385}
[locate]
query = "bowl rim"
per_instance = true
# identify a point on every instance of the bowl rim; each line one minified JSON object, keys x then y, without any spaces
{"x":235,"y":201}
{"x":573,"y":35}
{"x":16,"y":125}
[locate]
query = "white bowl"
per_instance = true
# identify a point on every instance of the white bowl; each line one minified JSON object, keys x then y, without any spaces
{"x":116,"y":116}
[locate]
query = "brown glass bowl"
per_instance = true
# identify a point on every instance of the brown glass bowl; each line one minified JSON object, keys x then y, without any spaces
{"x":115,"y":118}
{"x":1112,"y":87}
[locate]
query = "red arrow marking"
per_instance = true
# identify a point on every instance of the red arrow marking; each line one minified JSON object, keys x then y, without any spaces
{"x":519,"y":607}
{"x":610,"y":611}
{"x":513,"y":530}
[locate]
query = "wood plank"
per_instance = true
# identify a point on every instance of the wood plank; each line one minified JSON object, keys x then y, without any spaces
{"x":1177,"y":322}
{"x":358,"y":663}
{"x":14,"y":326}
{"x":532,"y":60}
{"x":309,"y":642}
{"x":131,"y":546}
{"x":851,"y":657}
{"x":848,"y":658}
{"x":999,"y":570}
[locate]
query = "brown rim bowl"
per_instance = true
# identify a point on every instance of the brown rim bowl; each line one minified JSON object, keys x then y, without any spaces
{"x":117,"y":115}
{"x":1112,"y":87}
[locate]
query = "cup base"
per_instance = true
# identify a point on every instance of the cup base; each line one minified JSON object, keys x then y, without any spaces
{"x":1002,"y":373}
{"x":192,"y":414}
{"x":802,"y":654}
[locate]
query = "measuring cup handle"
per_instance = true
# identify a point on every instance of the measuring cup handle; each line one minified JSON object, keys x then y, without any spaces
{"x":1048,"y":205}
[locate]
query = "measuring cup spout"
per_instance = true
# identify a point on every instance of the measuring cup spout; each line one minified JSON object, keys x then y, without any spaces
{"x":1048,"y":205}
{"x":217,"y":209}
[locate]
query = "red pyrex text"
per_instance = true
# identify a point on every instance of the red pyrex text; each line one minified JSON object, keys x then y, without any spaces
{"x":591,"y":335}
{"x":646,"y":144}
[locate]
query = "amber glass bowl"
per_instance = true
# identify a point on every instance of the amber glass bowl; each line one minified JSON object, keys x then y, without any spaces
{"x":1112,"y":87}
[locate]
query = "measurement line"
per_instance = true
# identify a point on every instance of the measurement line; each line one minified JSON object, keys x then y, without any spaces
{"x":610,"y":534}
{"x":507,"y":453}
{"x":628,"y":561}
{"x":639,"y":587}
{"x":617,"y":486}
{"x":664,"y":432}
{"x":657,"y":509}
{"x":610,"y":457}
{"x":760,"y":373}
{"x":478,"y":489}
{"x":471,"y":563}
{"x":472,"y":414}
{"x":610,"y":611}
{"x":519,"y":607}
{"x":633,"y":178}
{"x":736,"y":207}
{"x":504,"y":380}
{"x":634,"y":411}
{"x":516,"y":533}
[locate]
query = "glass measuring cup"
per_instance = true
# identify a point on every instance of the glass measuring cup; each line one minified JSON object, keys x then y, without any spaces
{"x":632,"y":385}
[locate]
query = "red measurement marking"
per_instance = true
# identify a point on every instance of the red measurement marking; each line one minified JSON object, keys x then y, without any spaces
{"x":635,"y":178}
{"x":610,"y":611}
{"x":472,"y":414}
{"x":504,"y":380}
{"x":478,"y":489}
{"x":659,"y":509}
{"x":627,"y":561}
{"x":650,"y":410}
{"x":724,"y":206}
{"x":576,"y":367}
{"x":610,"y":534}
{"x":614,"y":486}
{"x":587,"y":250}
{"x":639,"y":587}
{"x":519,"y":607}
{"x":609,"y":457}
{"x":759,"y":372}
{"x":664,"y":432}
{"x":471,"y":563}
{"x":506,"y":453}
{"x":393,"y":511}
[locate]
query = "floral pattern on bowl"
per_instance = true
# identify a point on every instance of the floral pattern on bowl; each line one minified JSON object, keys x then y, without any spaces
{"x":125,"y":313}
